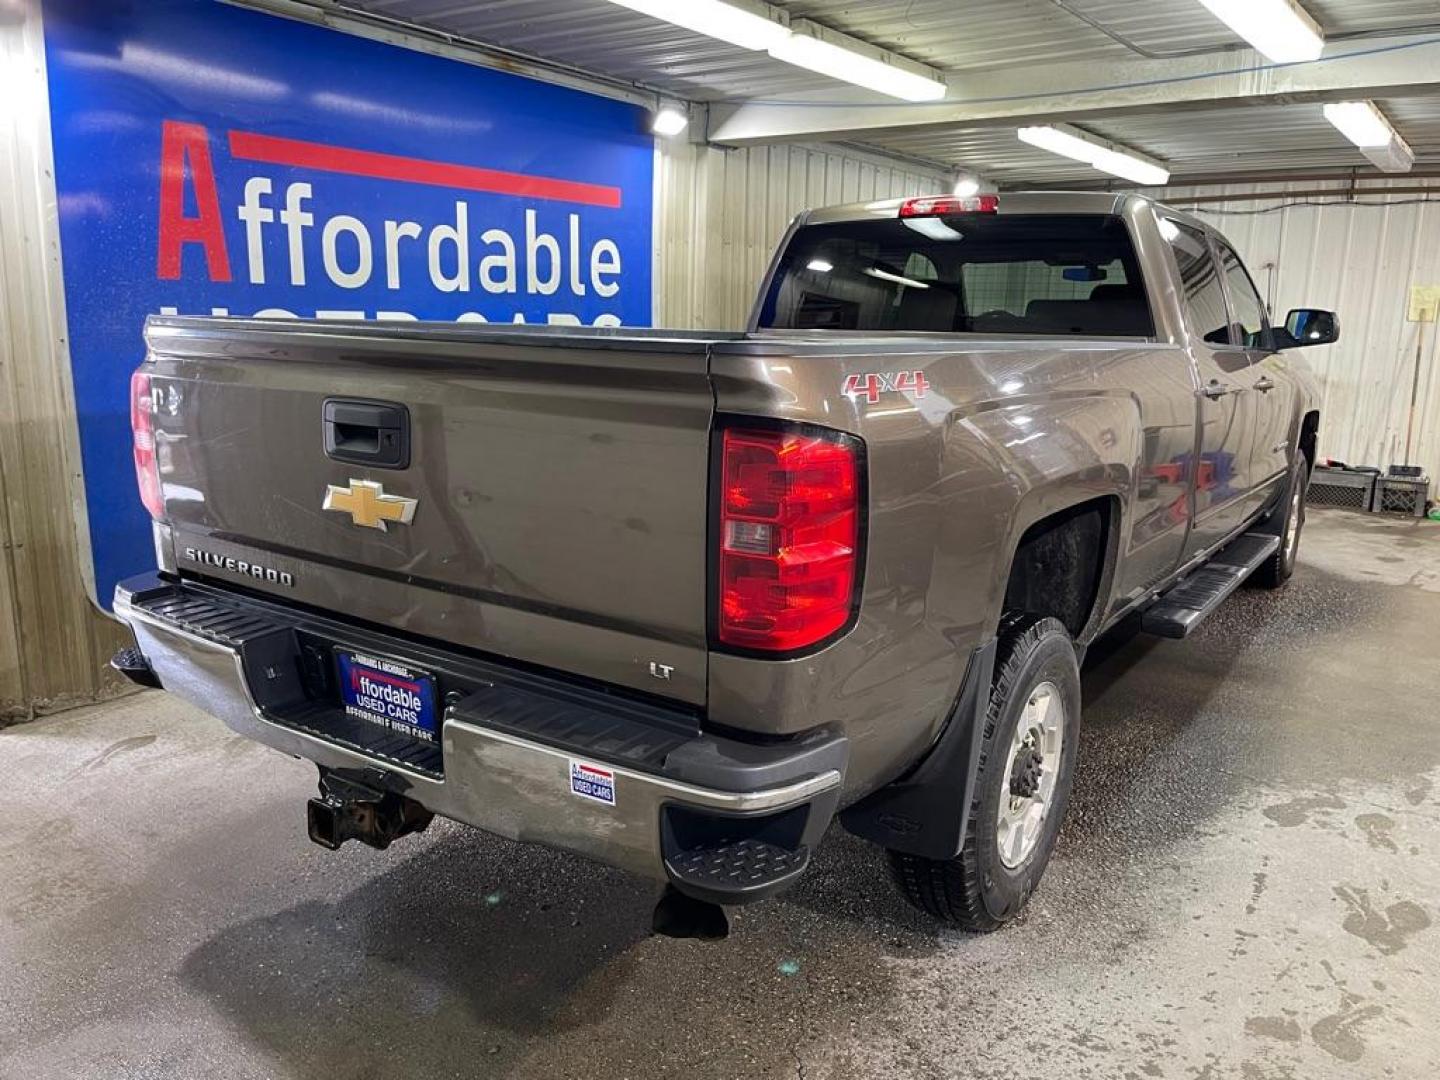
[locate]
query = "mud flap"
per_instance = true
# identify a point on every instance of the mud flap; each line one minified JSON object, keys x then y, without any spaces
{"x":926,"y":811}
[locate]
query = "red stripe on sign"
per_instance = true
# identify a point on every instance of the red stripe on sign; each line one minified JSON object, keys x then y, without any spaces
{"x":393,"y":680}
{"x":249,"y":146}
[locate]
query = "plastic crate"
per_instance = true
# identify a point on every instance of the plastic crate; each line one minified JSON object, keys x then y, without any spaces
{"x":1401,"y":495}
{"x":1341,"y":487}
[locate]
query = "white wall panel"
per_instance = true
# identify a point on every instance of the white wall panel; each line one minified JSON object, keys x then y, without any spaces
{"x":720,"y":214}
{"x":1360,"y":259}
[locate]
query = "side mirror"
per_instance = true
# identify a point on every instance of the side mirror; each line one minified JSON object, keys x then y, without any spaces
{"x":1308,"y":326}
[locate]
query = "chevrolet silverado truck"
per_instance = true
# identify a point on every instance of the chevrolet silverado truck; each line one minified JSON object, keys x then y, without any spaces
{"x":678,"y":601}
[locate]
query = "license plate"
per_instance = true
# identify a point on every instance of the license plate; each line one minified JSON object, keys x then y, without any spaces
{"x":388,"y":694}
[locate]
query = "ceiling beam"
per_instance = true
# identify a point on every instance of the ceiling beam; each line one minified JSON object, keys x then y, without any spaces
{"x":1385,"y":67}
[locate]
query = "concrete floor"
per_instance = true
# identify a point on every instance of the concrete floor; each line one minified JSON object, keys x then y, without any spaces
{"x":1245,"y":888}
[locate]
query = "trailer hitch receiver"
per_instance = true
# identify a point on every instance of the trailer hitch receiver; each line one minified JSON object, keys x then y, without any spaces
{"x":347,"y":809}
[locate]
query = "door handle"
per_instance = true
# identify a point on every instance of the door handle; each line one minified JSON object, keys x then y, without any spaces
{"x":1265,"y":385}
{"x":1215,"y":389}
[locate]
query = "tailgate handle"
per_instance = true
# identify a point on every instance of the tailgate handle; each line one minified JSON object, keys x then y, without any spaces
{"x":375,"y":433}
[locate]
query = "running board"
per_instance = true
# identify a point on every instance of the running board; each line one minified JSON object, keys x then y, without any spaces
{"x":1187,"y":604}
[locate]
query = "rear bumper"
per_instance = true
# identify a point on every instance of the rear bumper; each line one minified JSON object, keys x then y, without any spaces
{"x":721,"y":819}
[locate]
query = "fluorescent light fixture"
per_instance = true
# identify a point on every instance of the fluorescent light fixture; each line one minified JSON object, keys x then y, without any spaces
{"x":966,"y":185}
{"x":747,"y":25}
{"x":1281,"y":29}
{"x":1395,"y":158}
{"x":1360,"y":122}
{"x":886,"y":275}
{"x":820,"y":266}
{"x":812,"y":46}
{"x":1108,"y":157}
{"x":669,"y":121}
{"x":752,"y":24}
{"x":1059,"y":141}
{"x":1129,"y":167}
{"x":1365,"y":126}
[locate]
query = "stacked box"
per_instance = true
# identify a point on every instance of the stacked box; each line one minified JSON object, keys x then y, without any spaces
{"x":1341,"y":487}
{"x":1401,"y":495}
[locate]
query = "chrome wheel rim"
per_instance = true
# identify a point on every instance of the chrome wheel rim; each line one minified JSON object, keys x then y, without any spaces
{"x":1032,"y":769}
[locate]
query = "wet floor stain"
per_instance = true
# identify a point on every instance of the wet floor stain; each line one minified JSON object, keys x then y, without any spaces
{"x":1257,"y":890}
{"x":1378,"y":830}
{"x":1281,"y":1028}
{"x":1339,"y":1034}
{"x":1297,"y":811}
{"x":1388,"y":931}
{"x":1418,"y":790}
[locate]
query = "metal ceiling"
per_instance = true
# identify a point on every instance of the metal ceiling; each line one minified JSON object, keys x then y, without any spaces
{"x":961,"y":36}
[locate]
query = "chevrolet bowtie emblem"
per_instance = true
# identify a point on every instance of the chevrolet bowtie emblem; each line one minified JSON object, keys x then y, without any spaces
{"x":368,"y":505}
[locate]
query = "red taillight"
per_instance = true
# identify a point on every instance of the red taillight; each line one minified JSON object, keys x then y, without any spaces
{"x":789,"y":538}
{"x":142,"y":425}
{"x":934,"y":205}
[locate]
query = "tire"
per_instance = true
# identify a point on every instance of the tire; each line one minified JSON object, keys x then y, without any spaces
{"x":982,"y":888}
{"x":1277,"y":570}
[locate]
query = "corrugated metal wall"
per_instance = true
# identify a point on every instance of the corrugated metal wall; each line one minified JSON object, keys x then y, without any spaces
{"x":720,"y":214}
{"x":1361,"y":261}
{"x":53,"y":644}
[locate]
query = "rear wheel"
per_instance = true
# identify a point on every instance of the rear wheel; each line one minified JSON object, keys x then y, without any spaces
{"x":1276,"y":570}
{"x":1021,"y":789}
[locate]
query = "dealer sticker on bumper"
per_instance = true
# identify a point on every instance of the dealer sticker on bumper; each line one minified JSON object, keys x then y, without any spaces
{"x":592,"y":782}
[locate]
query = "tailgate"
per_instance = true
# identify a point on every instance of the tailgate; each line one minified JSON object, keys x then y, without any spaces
{"x":555,"y":489}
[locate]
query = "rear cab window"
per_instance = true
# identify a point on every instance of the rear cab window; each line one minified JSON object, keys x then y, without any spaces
{"x":1045,"y":274}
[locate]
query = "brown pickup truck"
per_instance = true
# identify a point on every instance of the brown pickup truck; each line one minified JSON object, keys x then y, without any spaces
{"x":677,"y":601}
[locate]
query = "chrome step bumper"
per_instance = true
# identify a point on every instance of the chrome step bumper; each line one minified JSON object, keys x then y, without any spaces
{"x":234,"y":657}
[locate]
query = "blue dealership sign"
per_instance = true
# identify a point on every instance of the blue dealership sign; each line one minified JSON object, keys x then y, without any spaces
{"x":213,"y":160}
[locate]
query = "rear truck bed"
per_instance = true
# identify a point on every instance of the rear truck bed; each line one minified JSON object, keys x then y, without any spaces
{"x":473,"y":572}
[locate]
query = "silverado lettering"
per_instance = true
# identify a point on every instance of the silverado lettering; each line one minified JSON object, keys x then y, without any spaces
{"x":239,"y":566}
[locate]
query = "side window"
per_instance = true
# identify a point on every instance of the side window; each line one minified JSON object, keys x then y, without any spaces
{"x":1249,"y":311}
{"x":1204,"y":299}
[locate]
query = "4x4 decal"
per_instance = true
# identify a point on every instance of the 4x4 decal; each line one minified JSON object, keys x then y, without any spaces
{"x":874,"y":383}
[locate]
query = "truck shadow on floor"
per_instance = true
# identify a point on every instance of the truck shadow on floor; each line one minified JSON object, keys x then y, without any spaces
{"x":507,"y":960}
